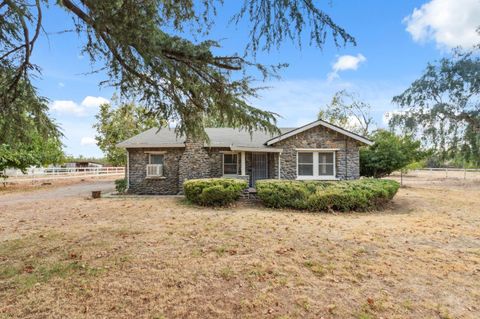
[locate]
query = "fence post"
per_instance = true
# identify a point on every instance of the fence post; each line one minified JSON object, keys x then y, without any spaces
{"x":464,"y":173}
{"x":446,"y":172}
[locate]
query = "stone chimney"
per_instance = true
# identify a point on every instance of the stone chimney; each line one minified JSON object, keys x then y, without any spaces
{"x":194,"y":162}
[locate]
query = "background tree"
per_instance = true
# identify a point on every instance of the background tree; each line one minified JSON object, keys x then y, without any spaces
{"x":148,"y":52}
{"x":32,"y":139}
{"x":443,"y":108}
{"x":389,"y":153}
{"x":347,"y":111}
{"x":118,"y":123}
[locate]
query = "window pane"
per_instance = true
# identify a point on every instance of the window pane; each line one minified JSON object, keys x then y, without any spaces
{"x":325,"y":158}
{"x":230,"y":169}
{"x":305,"y":158}
{"x":305,"y":169}
{"x":325,"y":169}
{"x":230,"y":158}
{"x":230,"y":164}
{"x":156,"y":159}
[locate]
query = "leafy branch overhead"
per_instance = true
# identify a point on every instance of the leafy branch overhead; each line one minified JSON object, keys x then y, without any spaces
{"x":147,"y":51}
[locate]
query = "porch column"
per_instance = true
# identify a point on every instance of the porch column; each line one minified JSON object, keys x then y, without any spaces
{"x":279,"y":166}
{"x":242,"y":163}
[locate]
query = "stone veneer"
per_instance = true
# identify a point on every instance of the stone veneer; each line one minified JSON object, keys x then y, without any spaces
{"x":194,"y":163}
{"x":138,"y":181}
{"x":347,"y":157}
{"x":197,"y":161}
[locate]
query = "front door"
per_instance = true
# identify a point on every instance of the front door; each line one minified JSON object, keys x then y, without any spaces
{"x":259,"y":167}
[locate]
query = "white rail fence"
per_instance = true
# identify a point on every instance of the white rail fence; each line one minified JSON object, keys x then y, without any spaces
{"x":437,"y":175}
{"x":52,"y":173}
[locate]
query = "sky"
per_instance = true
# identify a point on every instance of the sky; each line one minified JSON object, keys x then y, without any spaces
{"x":395,"y":41}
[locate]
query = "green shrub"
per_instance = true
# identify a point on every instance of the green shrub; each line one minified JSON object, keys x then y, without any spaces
{"x":213,"y":191}
{"x":357,"y":195}
{"x":121,"y":185}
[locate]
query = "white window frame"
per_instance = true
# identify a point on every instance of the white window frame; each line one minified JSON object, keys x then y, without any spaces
{"x":316,"y":164}
{"x":159,"y":168}
{"x":223,"y":163}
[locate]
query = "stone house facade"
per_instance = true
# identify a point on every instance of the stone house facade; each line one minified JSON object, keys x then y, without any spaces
{"x":159,"y":161}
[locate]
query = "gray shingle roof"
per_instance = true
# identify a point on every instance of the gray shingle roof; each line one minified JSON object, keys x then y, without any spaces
{"x":219,"y":137}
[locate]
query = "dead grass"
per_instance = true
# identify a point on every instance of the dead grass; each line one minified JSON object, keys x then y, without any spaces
{"x":159,"y":258}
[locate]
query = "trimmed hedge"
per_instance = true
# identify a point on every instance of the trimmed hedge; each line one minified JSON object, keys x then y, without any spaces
{"x":356,"y":195}
{"x":213,"y":191}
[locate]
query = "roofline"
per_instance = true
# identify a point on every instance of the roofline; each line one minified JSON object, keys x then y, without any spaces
{"x":256,"y":149}
{"x":314,"y":124}
{"x":173,"y":145}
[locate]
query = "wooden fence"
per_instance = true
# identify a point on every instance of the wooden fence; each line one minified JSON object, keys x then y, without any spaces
{"x":52,"y":173}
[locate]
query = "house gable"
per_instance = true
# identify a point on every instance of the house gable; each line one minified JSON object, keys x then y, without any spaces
{"x":317,"y":123}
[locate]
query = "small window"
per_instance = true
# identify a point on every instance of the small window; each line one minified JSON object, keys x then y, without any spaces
{"x":155,"y":165}
{"x":156,"y":159}
{"x":305,"y":164}
{"x":230,"y":166}
{"x":325,"y":164}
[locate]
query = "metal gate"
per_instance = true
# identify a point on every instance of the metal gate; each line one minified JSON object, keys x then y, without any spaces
{"x":259,"y":167}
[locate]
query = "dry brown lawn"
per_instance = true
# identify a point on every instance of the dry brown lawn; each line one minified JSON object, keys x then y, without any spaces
{"x":161,"y":258}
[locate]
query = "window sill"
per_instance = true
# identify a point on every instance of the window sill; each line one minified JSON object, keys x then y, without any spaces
{"x":155,"y":177}
{"x":317,"y":178}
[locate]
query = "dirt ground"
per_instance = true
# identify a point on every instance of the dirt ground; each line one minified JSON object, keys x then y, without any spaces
{"x":161,"y":258}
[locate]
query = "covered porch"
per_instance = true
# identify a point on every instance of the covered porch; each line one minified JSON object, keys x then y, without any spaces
{"x":252,"y":164}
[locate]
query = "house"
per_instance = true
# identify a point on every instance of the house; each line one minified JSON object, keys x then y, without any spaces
{"x":159,"y":161}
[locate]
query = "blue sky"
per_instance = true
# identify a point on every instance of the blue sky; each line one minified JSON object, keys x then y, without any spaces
{"x":395,"y":40}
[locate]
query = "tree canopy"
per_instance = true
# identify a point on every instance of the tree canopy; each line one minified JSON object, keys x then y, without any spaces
{"x":119,"y":122}
{"x":443,"y":108}
{"x":389,"y":153}
{"x":348,"y":111}
{"x":159,"y":52}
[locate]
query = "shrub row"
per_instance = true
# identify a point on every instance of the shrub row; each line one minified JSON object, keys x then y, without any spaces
{"x":213,"y":191}
{"x":357,"y":195}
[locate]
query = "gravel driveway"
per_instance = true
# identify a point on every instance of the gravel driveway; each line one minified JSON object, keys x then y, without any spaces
{"x":74,"y":190}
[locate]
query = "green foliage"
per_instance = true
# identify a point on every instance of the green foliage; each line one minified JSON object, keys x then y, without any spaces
{"x":358,"y":195}
{"x":11,"y":158}
{"x":121,"y":185}
{"x":347,"y":111}
{"x":28,"y":137}
{"x":389,"y":153}
{"x":160,"y":52}
{"x":443,"y":108}
{"x":118,"y":123}
{"x":213,"y":191}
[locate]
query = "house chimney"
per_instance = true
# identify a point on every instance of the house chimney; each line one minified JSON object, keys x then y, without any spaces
{"x":194,"y":162}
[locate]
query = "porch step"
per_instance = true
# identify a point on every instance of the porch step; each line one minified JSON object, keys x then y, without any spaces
{"x":250,"y":193}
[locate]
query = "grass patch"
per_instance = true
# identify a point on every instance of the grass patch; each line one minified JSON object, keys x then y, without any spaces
{"x":315,"y":267}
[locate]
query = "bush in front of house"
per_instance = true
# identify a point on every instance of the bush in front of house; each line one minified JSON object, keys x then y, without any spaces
{"x":213,"y":191}
{"x":121,"y":185}
{"x":356,"y":195}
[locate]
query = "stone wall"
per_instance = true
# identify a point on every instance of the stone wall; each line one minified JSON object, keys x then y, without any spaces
{"x":137,"y":170}
{"x":194,"y":163}
{"x":347,"y":157}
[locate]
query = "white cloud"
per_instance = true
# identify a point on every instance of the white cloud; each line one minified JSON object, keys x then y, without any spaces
{"x":67,"y":106}
{"x":92,"y":101}
{"x":450,"y":23}
{"x":88,"y":141}
{"x":346,"y":62}
{"x":61,"y":84}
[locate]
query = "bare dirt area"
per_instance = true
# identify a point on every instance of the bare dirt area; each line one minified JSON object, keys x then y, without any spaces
{"x":54,"y":186}
{"x":161,"y":258}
